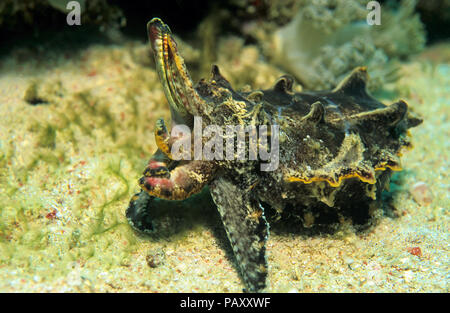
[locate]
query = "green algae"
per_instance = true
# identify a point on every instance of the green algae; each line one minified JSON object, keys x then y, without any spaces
{"x":326,"y":40}
{"x":47,"y":137}
{"x":69,"y":129}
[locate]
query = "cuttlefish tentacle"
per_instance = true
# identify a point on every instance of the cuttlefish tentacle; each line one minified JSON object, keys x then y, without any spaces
{"x":178,"y":86}
{"x":186,"y":179}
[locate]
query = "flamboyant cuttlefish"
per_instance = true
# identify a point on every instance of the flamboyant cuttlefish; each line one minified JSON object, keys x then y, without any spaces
{"x":335,"y":151}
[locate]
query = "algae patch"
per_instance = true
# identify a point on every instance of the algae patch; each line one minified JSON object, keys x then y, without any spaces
{"x":66,"y":172}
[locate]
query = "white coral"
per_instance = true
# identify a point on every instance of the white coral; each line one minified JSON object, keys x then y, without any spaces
{"x":329,"y":38}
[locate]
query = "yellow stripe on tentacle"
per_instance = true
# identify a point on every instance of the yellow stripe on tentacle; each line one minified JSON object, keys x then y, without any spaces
{"x":162,"y":137}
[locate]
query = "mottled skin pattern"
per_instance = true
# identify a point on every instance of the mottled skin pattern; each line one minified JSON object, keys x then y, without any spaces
{"x":337,"y":152}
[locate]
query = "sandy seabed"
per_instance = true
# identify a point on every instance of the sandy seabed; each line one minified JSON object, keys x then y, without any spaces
{"x":76,"y":130}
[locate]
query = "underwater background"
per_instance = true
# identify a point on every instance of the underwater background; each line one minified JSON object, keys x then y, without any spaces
{"x":78,"y":104}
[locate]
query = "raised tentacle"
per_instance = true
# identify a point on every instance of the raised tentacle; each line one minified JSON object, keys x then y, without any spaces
{"x":177,"y":83}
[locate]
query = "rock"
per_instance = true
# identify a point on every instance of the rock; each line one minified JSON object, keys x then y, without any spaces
{"x":156,"y":258}
{"x":421,"y":193}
